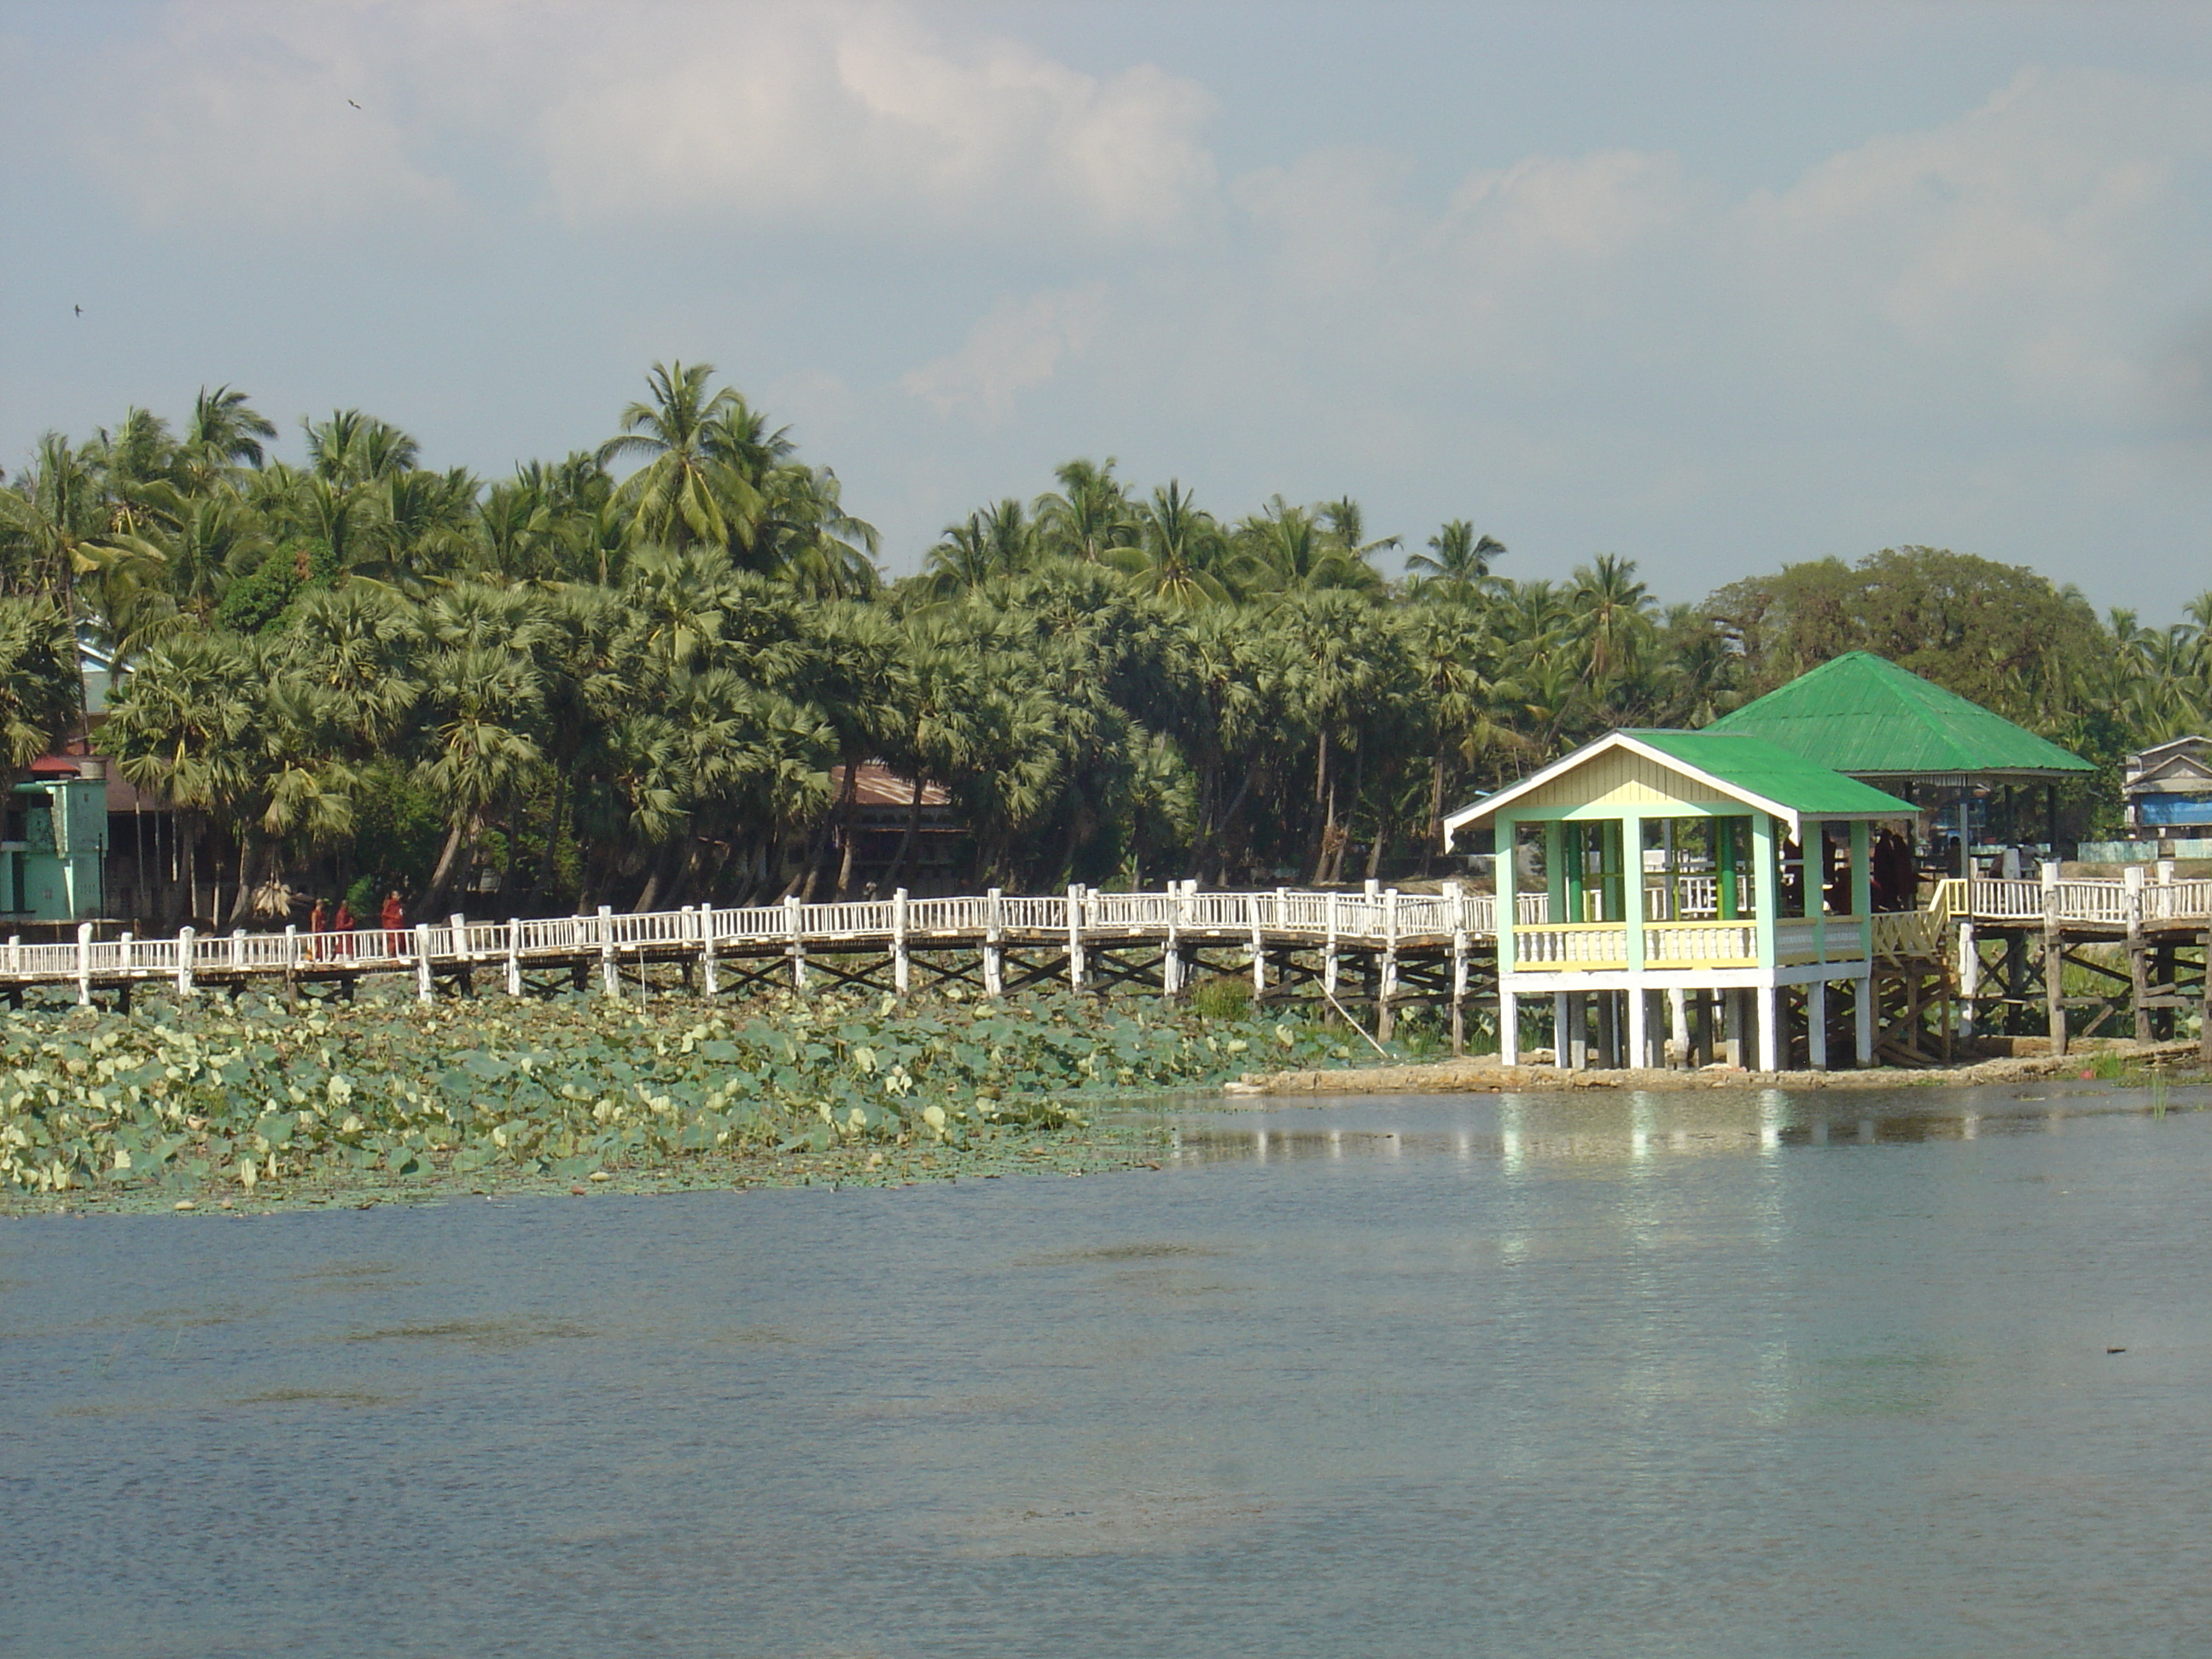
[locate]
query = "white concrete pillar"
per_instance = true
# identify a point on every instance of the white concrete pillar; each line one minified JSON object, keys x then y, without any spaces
{"x":1075,"y":938}
{"x":609,"y":975}
{"x":795,"y":928}
{"x":1769,"y":1029}
{"x":1509,"y":1028}
{"x":902,"y":964}
{"x":513,"y":957}
{"x":185,"y":961}
{"x":994,"y":952}
{"x":1863,"y":1017}
{"x":84,"y":960}
{"x":1639,"y":1025}
{"x":1816,"y":1024}
{"x":423,"y":986}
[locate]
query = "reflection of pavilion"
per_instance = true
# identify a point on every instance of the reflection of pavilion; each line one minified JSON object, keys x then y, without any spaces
{"x":1714,"y":870}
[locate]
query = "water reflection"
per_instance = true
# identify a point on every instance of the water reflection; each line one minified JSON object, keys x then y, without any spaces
{"x":1514,"y":1129}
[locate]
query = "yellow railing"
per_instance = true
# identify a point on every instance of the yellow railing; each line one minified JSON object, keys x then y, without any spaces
{"x":1572,"y":945}
{"x":1706,"y":944}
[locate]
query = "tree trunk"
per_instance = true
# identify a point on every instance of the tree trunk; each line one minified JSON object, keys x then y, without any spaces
{"x":426,"y":907}
{"x":1325,"y":801}
{"x":852,"y":812}
{"x":1435,"y":843}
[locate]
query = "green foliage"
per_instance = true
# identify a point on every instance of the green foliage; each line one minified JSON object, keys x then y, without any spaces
{"x":209,"y":1093}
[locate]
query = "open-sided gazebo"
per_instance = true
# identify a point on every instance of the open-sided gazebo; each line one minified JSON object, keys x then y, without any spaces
{"x":1713,"y":869}
{"x":1864,"y":716}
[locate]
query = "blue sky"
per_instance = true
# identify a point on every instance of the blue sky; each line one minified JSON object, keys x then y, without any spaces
{"x":1713,"y":287}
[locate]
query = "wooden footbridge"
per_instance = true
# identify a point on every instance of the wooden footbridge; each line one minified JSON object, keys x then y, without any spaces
{"x":1987,"y":956}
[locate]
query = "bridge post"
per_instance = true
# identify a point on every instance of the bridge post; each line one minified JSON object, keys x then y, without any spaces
{"x":184,"y":962}
{"x":1075,"y":937}
{"x":710,"y":973}
{"x":609,"y":974}
{"x":1171,"y":948}
{"x":1770,"y":1027}
{"x":463,"y":953}
{"x":1863,"y":1013}
{"x":1508,"y":1027}
{"x":994,"y":951}
{"x":1816,"y":1026}
{"x":238,"y":949}
{"x":794,"y":921}
{"x":2054,"y":960}
{"x":1386,"y":986}
{"x":1258,"y":950}
{"x":83,"y":964}
{"x":513,"y":957}
{"x":423,"y":985}
{"x":1328,"y":947}
{"x":2204,"y":1008}
{"x":1970,"y":976}
{"x":902,"y":963}
{"x":2138,"y":956}
{"x":1459,"y":978}
{"x":291,"y":963}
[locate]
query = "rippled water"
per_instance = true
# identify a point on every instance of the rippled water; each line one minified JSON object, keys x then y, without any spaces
{"x":1701,"y":1375}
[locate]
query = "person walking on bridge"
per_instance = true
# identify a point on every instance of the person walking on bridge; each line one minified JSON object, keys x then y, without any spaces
{"x":394,"y":919}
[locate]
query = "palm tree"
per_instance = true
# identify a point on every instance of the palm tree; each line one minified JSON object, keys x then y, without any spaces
{"x":1088,"y":516}
{"x":1288,"y":551}
{"x":996,"y":543}
{"x":1458,"y":561}
{"x":690,"y":489}
{"x":1181,"y":554}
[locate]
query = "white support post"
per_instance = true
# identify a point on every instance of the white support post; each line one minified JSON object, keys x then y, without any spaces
{"x":902,"y":964}
{"x":83,"y":964}
{"x":1171,"y":948}
{"x":1816,"y":1024}
{"x":794,"y":923}
{"x":1387,"y":980}
{"x":1459,"y":982}
{"x":1769,"y":1029}
{"x":609,"y":974}
{"x":1509,"y":1028}
{"x":1075,"y":938}
{"x":123,"y":954}
{"x":1570,"y":1038}
{"x":291,"y":951}
{"x":185,"y":961}
{"x":1678,"y":1020}
{"x":1970,"y":975}
{"x":995,"y":950}
{"x":1259,"y":953}
{"x":1862,"y":1017}
{"x":1638,"y":1054}
{"x":421,"y":961}
{"x":1329,"y":948}
{"x":459,"y":924}
{"x":15,"y":953}
{"x":238,"y":949}
{"x":514,"y":958}
{"x":710,"y":972}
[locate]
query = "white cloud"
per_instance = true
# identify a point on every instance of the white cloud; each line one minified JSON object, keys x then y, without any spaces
{"x":1020,"y":345}
{"x":839,"y":115}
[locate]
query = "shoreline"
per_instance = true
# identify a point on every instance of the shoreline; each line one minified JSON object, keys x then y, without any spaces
{"x":1482,"y":1074}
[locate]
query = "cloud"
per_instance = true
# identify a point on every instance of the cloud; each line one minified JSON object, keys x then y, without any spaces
{"x":846,"y":117}
{"x":1020,"y":344}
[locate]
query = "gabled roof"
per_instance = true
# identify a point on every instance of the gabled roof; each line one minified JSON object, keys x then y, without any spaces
{"x":1733,"y":766}
{"x":1863,"y":714}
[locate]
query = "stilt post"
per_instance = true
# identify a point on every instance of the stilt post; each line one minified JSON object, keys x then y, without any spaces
{"x":902,"y":964}
{"x":421,"y":961}
{"x":1075,"y":937}
{"x":184,"y":962}
{"x":2054,"y":961}
{"x":609,"y":975}
{"x":995,"y":950}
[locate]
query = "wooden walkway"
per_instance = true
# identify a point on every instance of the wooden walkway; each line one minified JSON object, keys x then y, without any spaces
{"x":1375,"y":950}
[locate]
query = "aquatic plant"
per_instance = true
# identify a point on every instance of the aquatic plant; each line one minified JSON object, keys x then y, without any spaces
{"x":255,"y":1092}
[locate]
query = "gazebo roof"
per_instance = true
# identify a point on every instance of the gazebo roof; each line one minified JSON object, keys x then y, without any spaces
{"x":1717,"y":766}
{"x":1863,"y":715}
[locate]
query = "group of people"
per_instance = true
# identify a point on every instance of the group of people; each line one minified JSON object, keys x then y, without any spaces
{"x":322,"y":920}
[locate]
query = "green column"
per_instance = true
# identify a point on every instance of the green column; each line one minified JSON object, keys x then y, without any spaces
{"x":1812,"y":840}
{"x":1505,"y":880}
{"x":1555,"y":867}
{"x":1578,"y":871}
{"x":1766,"y":875}
{"x":1613,"y":859}
{"x":1862,"y":885}
{"x":1727,"y":849}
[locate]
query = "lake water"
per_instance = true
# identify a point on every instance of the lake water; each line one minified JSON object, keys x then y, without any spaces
{"x":1593,"y":1374}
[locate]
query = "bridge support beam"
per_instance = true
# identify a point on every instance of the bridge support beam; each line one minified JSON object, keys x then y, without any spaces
{"x":902,"y":963}
{"x":609,"y":974}
{"x":184,"y":962}
{"x":1508,"y":1029}
{"x":1075,"y":938}
{"x":1816,"y":1026}
{"x":423,"y":990}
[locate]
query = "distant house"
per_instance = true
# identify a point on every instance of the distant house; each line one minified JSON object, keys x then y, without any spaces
{"x":883,"y":805}
{"x":2168,"y":786}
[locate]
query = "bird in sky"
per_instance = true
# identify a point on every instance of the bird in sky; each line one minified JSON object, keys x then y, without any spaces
{"x":350,"y":101}
{"x":80,"y":311}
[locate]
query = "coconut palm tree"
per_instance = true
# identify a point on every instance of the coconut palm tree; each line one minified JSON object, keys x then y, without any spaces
{"x":1458,"y":561}
{"x":691,"y":488}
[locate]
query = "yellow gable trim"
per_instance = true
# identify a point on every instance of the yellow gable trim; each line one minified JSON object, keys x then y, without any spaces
{"x":1623,"y":778}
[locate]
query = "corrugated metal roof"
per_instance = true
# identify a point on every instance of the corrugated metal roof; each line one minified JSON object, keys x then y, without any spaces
{"x":1752,"y":764}
{"x":1736,"y":765}
{"x":1863,"y":715}
{"x":878,"y":785}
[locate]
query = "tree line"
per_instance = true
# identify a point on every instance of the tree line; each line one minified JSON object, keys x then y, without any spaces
{"x":631,"y":676}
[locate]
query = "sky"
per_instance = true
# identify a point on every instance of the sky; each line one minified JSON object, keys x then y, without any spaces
{"x":1712,"y":287}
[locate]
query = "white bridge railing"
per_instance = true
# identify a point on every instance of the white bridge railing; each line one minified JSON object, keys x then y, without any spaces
{"x":1288,"y":916}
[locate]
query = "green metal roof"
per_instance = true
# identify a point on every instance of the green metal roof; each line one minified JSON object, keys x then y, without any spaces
{"x":1772,"y":774}
{"x":1863,"y":714}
